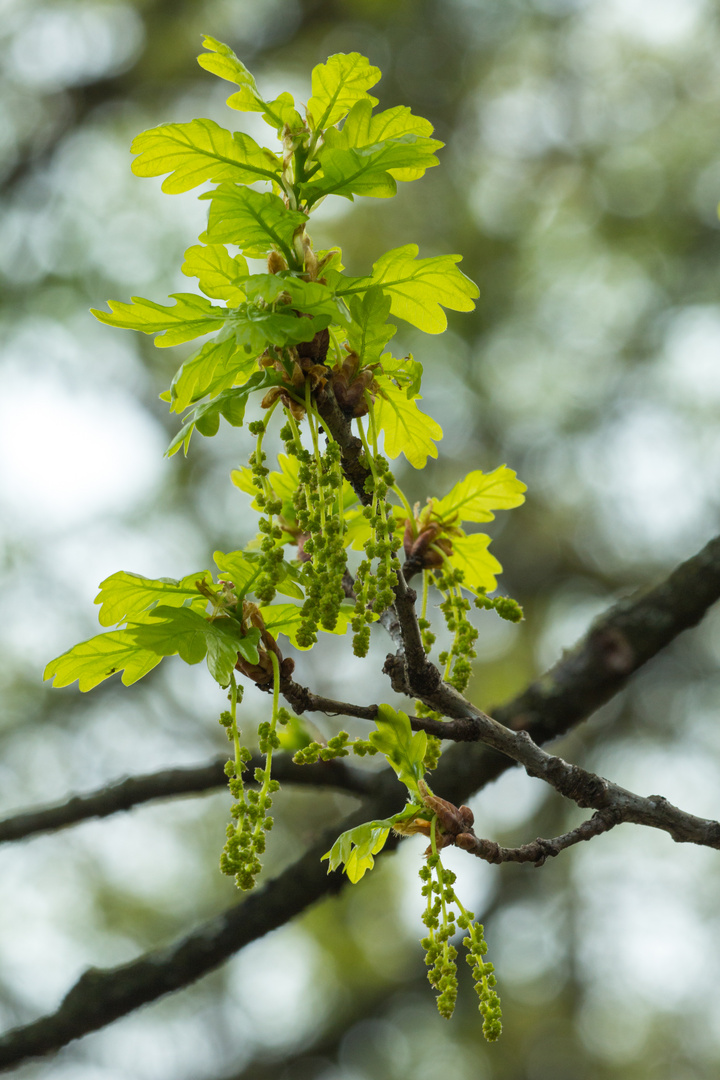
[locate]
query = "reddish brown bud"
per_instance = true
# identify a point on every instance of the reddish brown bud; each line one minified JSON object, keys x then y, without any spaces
{"x":276,"y":263}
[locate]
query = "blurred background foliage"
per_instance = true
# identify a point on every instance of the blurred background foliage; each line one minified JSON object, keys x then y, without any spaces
{"x":580,"y":181}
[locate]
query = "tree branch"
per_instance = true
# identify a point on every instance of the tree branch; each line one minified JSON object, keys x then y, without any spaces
{"x":617,"y":644}
{"x":538,"y":850}
{"x":595,"y":670}
{"x":303,"y":700}
{"x":168,"y":783}
{"x":103,"y":995}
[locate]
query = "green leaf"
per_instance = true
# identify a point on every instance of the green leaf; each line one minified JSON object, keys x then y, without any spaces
{"x":239,"y":568}
{"x":256,"y":221}
{"x":223,"y":62}
{"x":219,"y":275}
{"x":92,"y":661}
{"x":358,"y":529}
{"x":198,"y":151}
{"x":286,"y":619}
{"x":418,"y":288}
{"x":218,"y":365}
{"x":371,"y":153}
{"x":479,"y":567}
{"x":475,"y":497}
{"x":337,"y":85}
{"x":170,"y":631}
{"x":394,"y":738}
{"x":125,"y":596}
{"x":310,"y":297}
{"x":243,"y":569}
{"x":141,"y":646}
{"x":407,"y":372}
{"x":283,"y":483}
{"x":255,"y":327}
{"x":225,"y":639}
{"x":370,"y":331}
{"x":229,"y":403}
{"x":191,"y":636}
{"x":407,"y":429}
{"x":190,"y":317}
{"x":356,"y":848}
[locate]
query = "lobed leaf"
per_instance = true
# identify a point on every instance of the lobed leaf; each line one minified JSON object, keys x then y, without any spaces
{"x":370,"y":331}
{"x":219,"y":275}
{"x":125,"y":595}
{"x":471,"y":555}
{"x":478,"y":494}
{"x":336,"y":85}
{"x":357,"y":847}
{"x":256,"y":221}
{"x":420,"y":288}
{"x":190,"y":317}
{"x":407,"y":430}
{"x":370,"y":153}
{"x":223,"y":62}
{"x":404,"y":750}
{"x":192,"y":637}
{"x":93,"y":661}
{"x":206,"y":417}
{"x":218,"y":365}
{"x":199,"y":151}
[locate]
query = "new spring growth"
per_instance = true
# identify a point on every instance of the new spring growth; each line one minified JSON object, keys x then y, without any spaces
{"x":441,"y":955}
{"x":306,"y":342}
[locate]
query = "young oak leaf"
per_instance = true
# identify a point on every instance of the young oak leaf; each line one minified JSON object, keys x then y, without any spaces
{"x":283,"y":483}
{"x":357,"y":847}
{"x":407,"y":430}
{"x":198,"y":151}
{"x":370,"y":154}
{"x":190,"y":635}
{"x":243,"y":568}
{"x":476,"y":496}
{"x":219,"y":276}
{"x":470,"y":554}
{"x":220,"y":364}
{"x":230,"y":404}
{"x":191,"y":316}
{"x":404,"y":750}
{"x":93,"y":661}
{"x":370,"y":331}
{"x":140,"y":647}
{"x":286,"y":619}
{"x":419,"y":289}
{"x":126,"y":596}
{"x":336,"y":85}
{"x":223,"y":62}
{"x":256,"y":221}
{"x":313,"y":298}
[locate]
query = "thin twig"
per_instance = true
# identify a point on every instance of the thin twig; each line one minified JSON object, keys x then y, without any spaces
{"x":303,"y":700}
{"x":538,"y":850}
{"x":169,"y":783}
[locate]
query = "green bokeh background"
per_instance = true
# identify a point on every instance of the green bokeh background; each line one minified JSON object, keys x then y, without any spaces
{"x":579,"y":181}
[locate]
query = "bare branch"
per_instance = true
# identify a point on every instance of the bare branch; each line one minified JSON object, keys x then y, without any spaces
{"x":169,"y":783}
{"x":539,"y":850}
{"x":617,"y":644}
{"x":103,"y":995}
{"x":303,"y":700}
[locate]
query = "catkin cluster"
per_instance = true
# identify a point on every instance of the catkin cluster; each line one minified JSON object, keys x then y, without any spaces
{"x":441,"y":954}
{"x":374,"y":587}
